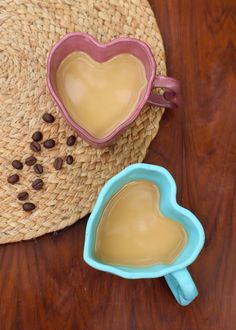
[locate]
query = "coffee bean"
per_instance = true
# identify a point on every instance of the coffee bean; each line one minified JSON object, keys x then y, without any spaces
{"x":48,"y":118}
{"x":71,"y":140}
{"x":50,"y":143}
{"x":37,"y":136}
{"x":13,"y":178}
{"x":35,"y":146}
{"x":17,"y":164}
{"x":22,"y":196}
{"x":30,"y":161}
{"x":37,"y":184}
{"x":69,"y":159}
{"x":58,"y":163}
{"x":38,"y":168}
{"x":28,"y":207}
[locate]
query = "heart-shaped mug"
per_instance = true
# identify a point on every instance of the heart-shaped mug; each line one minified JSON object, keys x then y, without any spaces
{"x":83,"y":42}
{"x":176,"y":274}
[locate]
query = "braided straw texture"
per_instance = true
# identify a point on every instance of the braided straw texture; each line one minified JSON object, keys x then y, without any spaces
{"x":28,"y":29}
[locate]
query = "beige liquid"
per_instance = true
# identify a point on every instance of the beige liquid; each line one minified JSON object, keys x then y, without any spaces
{"x":133,"y":231}
{"x":100,"y":96}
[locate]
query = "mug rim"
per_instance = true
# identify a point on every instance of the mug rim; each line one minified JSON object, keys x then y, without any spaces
{"x":104,"y":141}
{"x":120,"y":270}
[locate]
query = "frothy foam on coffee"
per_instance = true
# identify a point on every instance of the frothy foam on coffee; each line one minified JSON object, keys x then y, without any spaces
{"x":133,"y":231}
{"x":100,"y":96}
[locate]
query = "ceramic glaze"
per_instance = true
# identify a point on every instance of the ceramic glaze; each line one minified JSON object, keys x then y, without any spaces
{"x":176,"y":274}
{"x":82,"y":42}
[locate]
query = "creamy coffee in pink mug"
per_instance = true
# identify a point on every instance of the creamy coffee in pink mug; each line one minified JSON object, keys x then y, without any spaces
{"x":101,"y":89}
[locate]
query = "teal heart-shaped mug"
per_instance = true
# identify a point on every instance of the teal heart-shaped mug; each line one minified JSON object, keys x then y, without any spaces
{"x":176,"y":274}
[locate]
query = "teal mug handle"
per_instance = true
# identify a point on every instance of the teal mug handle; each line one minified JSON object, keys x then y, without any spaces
{"x":182,"y":286}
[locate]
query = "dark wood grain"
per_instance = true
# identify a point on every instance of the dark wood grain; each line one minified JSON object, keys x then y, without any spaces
{"x":44,"y":283}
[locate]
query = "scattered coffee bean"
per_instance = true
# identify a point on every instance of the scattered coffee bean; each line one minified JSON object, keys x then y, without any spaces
{"x":71,"y":140}
{"x":17,"y":164}
{"x":69,"y":159}
{"x":48,"y":118}
{"x":37,"y":184}
{"x":30,"y":161}
{"x":22,"y":196}
{"x":28,"y":207}
{"x":58,"y":163}
{"x":38,"y":168}
{"x":37,"y":136}
{"x":50,"y":143}
{"x":13,"y":178}
{"x":35,"y":146}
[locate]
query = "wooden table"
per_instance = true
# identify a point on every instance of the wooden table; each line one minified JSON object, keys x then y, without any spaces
{"x":44,"y":283}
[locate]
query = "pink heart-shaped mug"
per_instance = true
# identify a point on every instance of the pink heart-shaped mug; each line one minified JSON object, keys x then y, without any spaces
{"x":101,"y":53}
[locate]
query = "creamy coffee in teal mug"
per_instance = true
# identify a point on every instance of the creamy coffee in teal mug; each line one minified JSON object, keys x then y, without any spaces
{"x":176,"y":274}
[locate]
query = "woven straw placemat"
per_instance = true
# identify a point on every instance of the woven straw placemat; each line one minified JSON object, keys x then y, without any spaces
{"x":28,"y":29}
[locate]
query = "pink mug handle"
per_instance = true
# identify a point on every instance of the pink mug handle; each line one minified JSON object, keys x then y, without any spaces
{"x":171,"y":97}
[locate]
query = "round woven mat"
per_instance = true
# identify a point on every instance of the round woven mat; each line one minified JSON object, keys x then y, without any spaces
{"x":28,"y":30}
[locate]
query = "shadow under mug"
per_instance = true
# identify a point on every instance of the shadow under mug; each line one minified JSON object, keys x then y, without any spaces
{"x":78,"y":41}
{"x":176,"y":274}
